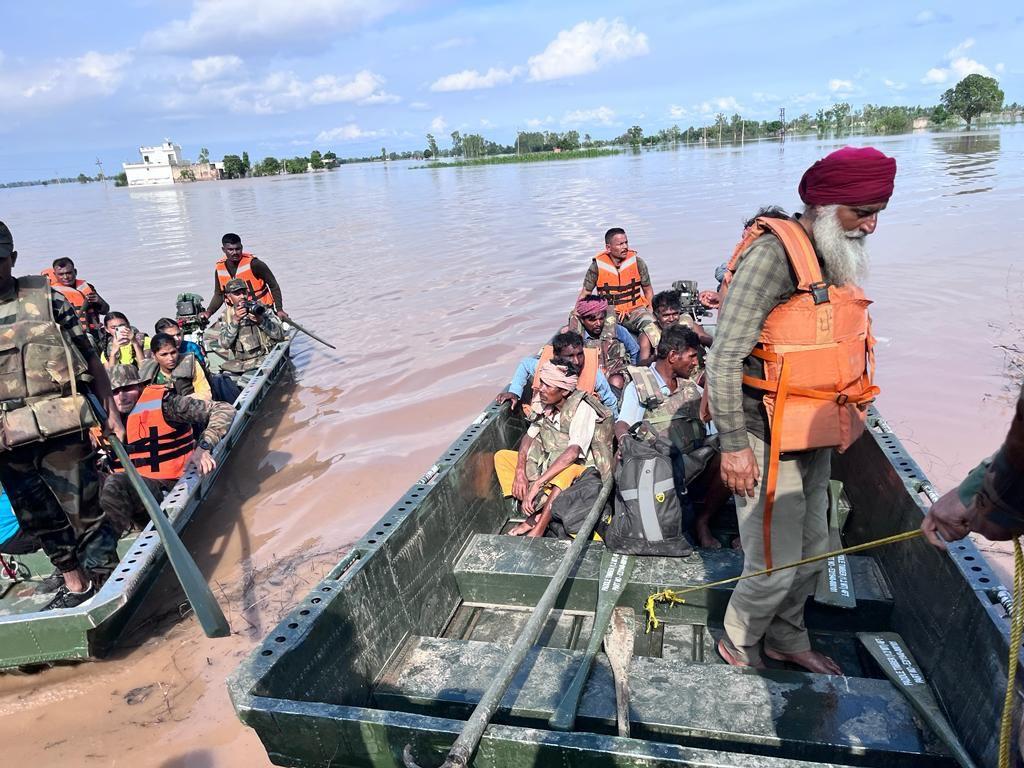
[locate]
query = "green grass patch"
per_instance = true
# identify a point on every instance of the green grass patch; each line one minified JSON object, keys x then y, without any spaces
{"x":532,"y":157}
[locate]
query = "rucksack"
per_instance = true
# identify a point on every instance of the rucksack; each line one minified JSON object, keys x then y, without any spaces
{"x":571,"y":507}
{"x":648,"y":517}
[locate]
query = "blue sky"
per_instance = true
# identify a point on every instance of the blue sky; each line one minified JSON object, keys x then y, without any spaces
{"x":86,"y":80}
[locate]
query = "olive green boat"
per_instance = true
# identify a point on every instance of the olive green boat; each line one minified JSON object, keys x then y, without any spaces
{"x":382,"y":663}
{"x":29,"y":636}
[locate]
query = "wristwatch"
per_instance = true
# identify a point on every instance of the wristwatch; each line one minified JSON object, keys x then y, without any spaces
{"x":205,"y":444}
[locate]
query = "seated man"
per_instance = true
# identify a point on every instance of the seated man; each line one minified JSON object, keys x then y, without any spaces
{"x":88,"y":304}
{"x":621,"y":277}
{"x":663,"y":396}
{"x":667,"y":313}
{"x":567,"y":346}
{"x":570,"y":431}
{"x":185,"y":347}
{"x":618,"y":351}
{"x":159,"y":436}
{"x":246,"y":333}
{"x":126,"y":345}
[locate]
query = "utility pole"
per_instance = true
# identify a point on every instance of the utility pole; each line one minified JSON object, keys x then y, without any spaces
{"x":102,"y":174}
{"x":782,"y":117}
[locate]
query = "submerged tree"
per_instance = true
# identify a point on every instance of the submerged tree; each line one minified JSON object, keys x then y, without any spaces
{"x":972,"y":96}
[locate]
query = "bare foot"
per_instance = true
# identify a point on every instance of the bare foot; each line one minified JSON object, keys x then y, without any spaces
{"x":737,"y":544}
{"x":812,"y":661}
{"x":727,"y":656}
{"x":706,"y":541}
{"x":524,"y":527}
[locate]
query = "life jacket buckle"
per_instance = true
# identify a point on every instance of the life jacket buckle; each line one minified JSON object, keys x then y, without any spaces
{"x":842,"y":398}
{"x":819,"y":291}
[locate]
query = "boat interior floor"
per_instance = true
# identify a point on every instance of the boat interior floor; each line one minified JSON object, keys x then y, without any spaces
{"x":681,"y":690}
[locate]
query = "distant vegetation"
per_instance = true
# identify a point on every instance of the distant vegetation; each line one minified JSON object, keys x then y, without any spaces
{"x":532,"y":157}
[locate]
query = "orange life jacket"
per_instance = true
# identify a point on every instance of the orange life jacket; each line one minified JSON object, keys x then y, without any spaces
{"x":76,"y":296}
{"x":620,"y":285}
{"x":157,"y":449}
{"x":587,"y":379}
{"x":258,"y":288}
{"x":818,"y":356}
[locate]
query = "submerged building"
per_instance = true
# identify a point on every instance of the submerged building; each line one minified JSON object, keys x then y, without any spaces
{"x":163,"y":164}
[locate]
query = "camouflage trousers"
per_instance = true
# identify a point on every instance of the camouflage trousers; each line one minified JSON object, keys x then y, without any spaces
{"x":122,"y":505}
{"x":54,"y":490}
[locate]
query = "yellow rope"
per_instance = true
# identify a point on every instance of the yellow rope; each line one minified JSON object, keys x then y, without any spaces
{"x":676,"y":596}
{"x":1016,"y":631}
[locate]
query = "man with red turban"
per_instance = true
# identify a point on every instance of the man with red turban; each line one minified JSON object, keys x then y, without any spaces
{"x":789,"y":380}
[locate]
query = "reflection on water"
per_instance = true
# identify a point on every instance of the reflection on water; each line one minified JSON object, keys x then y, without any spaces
{"x":434,"y":283}
{"x":971,"y":160}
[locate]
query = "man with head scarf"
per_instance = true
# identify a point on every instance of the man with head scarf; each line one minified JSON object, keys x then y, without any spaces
{"x":617,"y":347}
{"x":790,"y":379}
{"x":570,"y":431}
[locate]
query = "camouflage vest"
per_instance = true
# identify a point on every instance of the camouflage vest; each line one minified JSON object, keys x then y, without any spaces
{"x":616,"y":353}
{"x":249,"y":349}
{"x":654,"y":330}
{"x":553,"y":441}
{"x":675,"y":417}
{"x":181,"y":376}
{"x":40,"y":370}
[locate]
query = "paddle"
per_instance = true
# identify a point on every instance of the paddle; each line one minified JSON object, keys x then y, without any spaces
{"x":465,"y":745}
{"x":204,"y":604}
{"x":618,"y":645}
{"x":615,"y":571}
{"x":889,"y":651}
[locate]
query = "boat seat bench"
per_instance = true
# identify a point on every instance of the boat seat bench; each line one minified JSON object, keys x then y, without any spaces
{"x":514,"y":571}
{"x":853,"y":721}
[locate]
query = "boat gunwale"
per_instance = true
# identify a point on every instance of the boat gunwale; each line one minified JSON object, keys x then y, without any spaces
{"x":146,"y":551}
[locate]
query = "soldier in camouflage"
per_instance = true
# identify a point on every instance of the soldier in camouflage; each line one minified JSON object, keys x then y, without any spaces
{"x":245,"y":338}
{"x":120,"y":502}
{"x":47,"y":464}
{"x":667,"y":313}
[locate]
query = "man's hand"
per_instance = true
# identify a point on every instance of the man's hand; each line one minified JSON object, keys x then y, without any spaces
{"x":519,"y":485}
{"x":947,"y":518}
{"x":92,"y":298}
{"x":204,"y":460}
{"x":531,"y":494}
{"x":507,"y":397}
{"x":114,"y":425}
{"x":282,"y":314}
{"x":739,"y":472}
{"x":710,"y":299}
{"x":240,"y":312}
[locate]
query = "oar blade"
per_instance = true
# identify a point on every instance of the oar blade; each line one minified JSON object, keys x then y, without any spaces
{"x":618,"y":646}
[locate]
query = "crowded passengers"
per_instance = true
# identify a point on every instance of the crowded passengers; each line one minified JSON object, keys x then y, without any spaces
{"x":788,"y":380}
{"x":168,"y":397}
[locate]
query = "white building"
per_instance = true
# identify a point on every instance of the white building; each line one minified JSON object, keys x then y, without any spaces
{"x":159,"y":165}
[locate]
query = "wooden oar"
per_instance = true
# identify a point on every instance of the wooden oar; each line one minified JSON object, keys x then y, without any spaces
{"x":204,"y":604}
{"x":618,"y":645}
{"x":465,"y":745}
{"x":615,"y":572}
{"x":892,"y":655}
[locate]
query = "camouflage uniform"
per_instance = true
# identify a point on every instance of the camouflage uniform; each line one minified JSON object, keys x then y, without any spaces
{"x":52,"y":482}
{"x":120,"y":502}
{"x":246,"y":343}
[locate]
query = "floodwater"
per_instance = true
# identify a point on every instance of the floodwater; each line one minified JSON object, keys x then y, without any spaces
{"x":432,"y":284}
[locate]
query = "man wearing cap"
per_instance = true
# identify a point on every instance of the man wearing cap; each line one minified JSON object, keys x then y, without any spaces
{"x":160,"y":429}
{"x":570,"y":431}
{"x":789,"y":379}
{"x":47,"y":464}
{"x":245,"y":334}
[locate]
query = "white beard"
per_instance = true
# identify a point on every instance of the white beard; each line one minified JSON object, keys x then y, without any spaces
{"x":845,"y":253}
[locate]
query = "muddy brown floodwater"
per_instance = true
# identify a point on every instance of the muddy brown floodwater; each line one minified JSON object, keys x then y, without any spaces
{"x":432,"y":283}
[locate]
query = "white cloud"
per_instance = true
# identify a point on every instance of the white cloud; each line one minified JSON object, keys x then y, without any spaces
{"x":471,"y":80}
{"x":214,"y":67}
{"x":536,"y":122}
{"x":677,"y":112}
{"x":894,"y":85}
{"x":279,"y":92}
{"x":453,"y":42}
{"x":63,"y":81}
{"x":1000,"y":67}
{"x":760,"y":97}
{"x":438,"y":125}
{"x":587,"y":47}
{"x":930,"y":17}
{"x":265,"y":26}
{"x":603,"y":115}
{"x":924,"y":17}
{"x":720,"y":104}
{"x":348,"y":132}
{"x":958,"y":66}
{"x":836,"y":85}
{"x":485,"y":123}
{"x":419,"y":106}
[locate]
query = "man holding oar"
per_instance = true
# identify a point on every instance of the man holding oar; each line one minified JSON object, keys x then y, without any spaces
{"x":46,"y":461}
{"x":790,"y":378}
